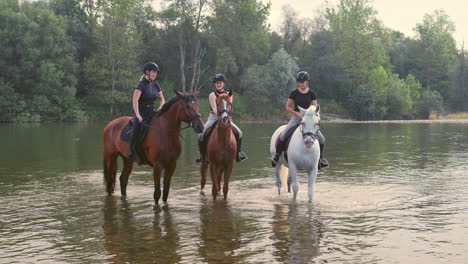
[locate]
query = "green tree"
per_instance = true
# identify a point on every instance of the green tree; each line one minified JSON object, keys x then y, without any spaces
{"x":433,"y":51}
{"x":38,"y":59}
{"x":238,"y":30}
{"x":359,"y":36}
{"x":267,"y":86}
{"x":111,"y":71}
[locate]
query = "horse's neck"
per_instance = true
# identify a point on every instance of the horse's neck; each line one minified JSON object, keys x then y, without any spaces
{"x":168,"y":120}
{"x":223,"y":132}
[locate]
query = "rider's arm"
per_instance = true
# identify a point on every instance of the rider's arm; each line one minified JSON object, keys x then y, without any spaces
{"x":212,"y":99}
{"x":290,"y":109}
{"x":136,"y":97}
{"x":161,"y":100}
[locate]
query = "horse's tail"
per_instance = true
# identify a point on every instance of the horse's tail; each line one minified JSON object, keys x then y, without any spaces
{"x":109,"y":161}
{"x":284,"y":175}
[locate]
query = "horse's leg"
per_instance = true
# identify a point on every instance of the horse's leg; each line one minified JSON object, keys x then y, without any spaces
{"x":110,"y":171}
{"x":293,"y":176}
{"x":311,"y":176}
{"x":127,"y":169}
{"x":203,"y":171}
{"x":278,"y":177}
{"x":157,"y":169}
{"x":219,"y":173}
{"x":168,"y":172}
{"x":214,"y":178}
{"x":227,"y":176}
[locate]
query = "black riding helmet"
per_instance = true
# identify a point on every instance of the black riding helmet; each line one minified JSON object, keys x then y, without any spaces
{"x":151,"y":66}
{"x":219,"y":77}
{"x":302,"y":76}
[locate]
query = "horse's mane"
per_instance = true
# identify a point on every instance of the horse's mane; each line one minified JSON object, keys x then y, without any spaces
{"x":167,"y":105}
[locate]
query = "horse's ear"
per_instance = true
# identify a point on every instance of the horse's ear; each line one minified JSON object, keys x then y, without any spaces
{"x":230,"y":93}
{"x":179,"y":94}
{"x":216,"y":94}
{"x":317,"y":110}
{"x":302,"y":110}
{"x":197,"y":94}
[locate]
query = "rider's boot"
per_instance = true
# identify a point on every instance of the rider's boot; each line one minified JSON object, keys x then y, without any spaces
{"x":323,"y":162}
{"x":277,"y":155}
{"x":241,"y":156}
{"x":201,"y":147}
{"x":133,"y":141}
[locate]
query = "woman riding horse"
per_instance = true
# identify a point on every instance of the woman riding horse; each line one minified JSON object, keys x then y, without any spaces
{"x":219,"y":81}
{"x":303,"y":96}
{"x":144,"y":95}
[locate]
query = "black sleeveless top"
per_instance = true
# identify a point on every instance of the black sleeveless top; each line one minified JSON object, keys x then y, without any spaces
{"x":301,"y":99}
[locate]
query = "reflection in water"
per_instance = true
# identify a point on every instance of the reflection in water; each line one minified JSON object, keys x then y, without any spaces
{"x":296,"y":234}
{"x":396,"y":193}
{"x":128,"y":240}
{"x":219,"y":234}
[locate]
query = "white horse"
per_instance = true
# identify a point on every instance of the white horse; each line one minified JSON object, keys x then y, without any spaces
{"x":303,"y":152}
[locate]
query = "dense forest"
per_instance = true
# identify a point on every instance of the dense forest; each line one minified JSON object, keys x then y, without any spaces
{"x":65,"y":60}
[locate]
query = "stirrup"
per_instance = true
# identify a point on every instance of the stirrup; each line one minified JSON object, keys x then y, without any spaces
{"x":241,"y":156}
{"x":199,"y":159}
{"x":275,"y":159}
{"x":324,"y":163}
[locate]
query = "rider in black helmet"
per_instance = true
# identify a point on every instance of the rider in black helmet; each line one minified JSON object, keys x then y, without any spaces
{"x":303,"y":96}
{"x":219,"y":80}
{"x":144,"y":95}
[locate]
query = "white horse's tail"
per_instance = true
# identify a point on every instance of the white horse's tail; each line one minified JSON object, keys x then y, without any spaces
{"x":284,"y":173}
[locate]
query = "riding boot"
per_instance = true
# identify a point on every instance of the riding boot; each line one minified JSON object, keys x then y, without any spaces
{"x":323,"y":162}
{"x":133,"y":141}
{"x":241,"y":156}
{"x":279,"y":150}
{"x":202,"y":149}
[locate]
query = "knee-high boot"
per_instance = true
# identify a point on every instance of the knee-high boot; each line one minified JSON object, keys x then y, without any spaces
{"x":241,"y":156}
{"x":323,"y":162}
{"x":134,"y":139}
{"x":202,"y":149}
{"x":279,"y":150}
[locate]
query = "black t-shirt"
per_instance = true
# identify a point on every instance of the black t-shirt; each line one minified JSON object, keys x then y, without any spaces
{"x":302,"y":99}
{"x":149,"y":92}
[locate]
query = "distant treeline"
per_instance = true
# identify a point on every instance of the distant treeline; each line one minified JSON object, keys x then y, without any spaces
{"x":81,"y":59}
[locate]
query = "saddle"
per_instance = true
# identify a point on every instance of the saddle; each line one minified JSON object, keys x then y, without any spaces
{"x":287,"y":138}
{"x":127,"y":132}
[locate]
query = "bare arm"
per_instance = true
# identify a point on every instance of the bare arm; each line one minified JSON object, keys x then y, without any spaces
{"x":290,"y":109}
{"x":212,"y":100}
{"x":136,"y":97}
{"x":162,"y":101}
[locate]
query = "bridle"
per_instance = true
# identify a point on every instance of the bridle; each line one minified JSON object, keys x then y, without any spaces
{"x":314,"y":136}
{"x":189,"y":121}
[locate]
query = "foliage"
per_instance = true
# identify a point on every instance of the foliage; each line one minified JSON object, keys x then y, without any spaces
{"x":267,"y":86}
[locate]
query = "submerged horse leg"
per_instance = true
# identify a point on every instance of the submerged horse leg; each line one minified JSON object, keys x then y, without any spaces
{"x":214,"y":180}
{"x":311,"y":176}
{"x":227,"y":176}
{"x":203,"y":171}
{"x":127,"y":169}
{"x":110,"y":171}
{"x":157,"y":169}
{"x":168,"y":172}
{"x":278,"y":177}
{"x":293,"y":177}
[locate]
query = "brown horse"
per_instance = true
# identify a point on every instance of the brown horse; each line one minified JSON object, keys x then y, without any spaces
{"x":161,"y":145}
{"x":221,"y":148}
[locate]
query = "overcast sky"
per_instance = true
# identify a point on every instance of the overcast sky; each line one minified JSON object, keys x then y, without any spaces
{"x":402,"y":15}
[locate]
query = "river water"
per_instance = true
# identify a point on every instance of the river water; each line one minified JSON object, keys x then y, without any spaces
{"x":395,"y":193}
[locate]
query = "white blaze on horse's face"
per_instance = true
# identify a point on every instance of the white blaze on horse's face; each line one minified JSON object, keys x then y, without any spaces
{"x":224,"y":115}
{"x":310,"y":124}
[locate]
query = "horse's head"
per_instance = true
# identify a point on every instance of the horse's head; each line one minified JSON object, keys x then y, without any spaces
{"x":190,"y":110}
{"x":224,"y":107}
{"x":310,"y":124}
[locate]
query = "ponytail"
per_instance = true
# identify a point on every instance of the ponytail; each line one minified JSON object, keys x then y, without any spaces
{"x":142,"y":77}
